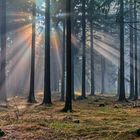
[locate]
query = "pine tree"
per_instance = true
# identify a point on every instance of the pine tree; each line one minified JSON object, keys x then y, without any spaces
{"x":122,"y":73}
{"x":68,"y":102}
{"x":47,"y":79}
{"x":84,"y":49}
{"x":31,"y":98}
{"x":136,"y":57}
{"x":3,"y":50}
{"x":131,"y":56}
{"x":92,"y":59}
{"x":102,"y":75}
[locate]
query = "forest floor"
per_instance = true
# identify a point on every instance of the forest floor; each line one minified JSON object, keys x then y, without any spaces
{"x":96,"y":118}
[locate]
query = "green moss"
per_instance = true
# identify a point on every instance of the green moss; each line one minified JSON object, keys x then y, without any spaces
{"x":63,"y":126}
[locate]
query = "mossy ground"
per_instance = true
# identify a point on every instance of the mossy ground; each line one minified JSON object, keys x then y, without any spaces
{"x":88,"y":121}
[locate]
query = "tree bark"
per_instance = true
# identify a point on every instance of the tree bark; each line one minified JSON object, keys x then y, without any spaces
{"x":3,"y":51}
{"x":136,"y":57}
{"x":102,"y":75}
{"x":47,"y":79}
{"x":122,"y":72}
{"x":118,"y":84}
{"x":31,"y":98}
{"x":72,"y":73}
{"x":84,"y":50}
{"x":92,"y":59}
{"x":131,"y":56}
{"x":68,"y":102}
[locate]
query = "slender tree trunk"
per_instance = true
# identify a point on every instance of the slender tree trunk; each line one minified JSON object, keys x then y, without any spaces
{"x":92,"y":59}
{"x":63,"y":63}
{"x":136,"y":57}
{"x":118,"y":83}
{"x":72,"y":74}
{"x":3,"y":51}
{"x":31,"y":98}
{"x":68,"y":102}
{"x":47,"y":79}
{"x":84,"y":50}
{"x":122,"y":72}
{"x":103,"y":75}
{"x":131,"y":57}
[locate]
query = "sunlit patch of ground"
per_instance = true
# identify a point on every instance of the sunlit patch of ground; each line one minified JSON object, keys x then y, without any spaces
{"x":97,"y":118}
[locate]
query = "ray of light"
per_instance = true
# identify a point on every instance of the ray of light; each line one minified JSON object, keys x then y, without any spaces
{"x":106,"y":50}
{"x":55,"y":43}
{"x":18,"y":58}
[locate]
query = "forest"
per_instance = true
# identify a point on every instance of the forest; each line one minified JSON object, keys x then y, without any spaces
{"x":69,"y":70}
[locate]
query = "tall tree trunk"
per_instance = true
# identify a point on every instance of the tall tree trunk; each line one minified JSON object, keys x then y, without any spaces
{"x":122,"y":72}
{"x":68,"y":102}
{"x":131,"y":56}
{"x":63,"y":63}
{"x":102,"y":75}
{"x":31,"y":98}
{"x":72,"y":74}
{"x":136,"y":62}
{"x":118,"y":84}
{"x":92,"y":59}
{"x":47,"y":79}
{"x":84,"y":50}
{"x":3,"y":51}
